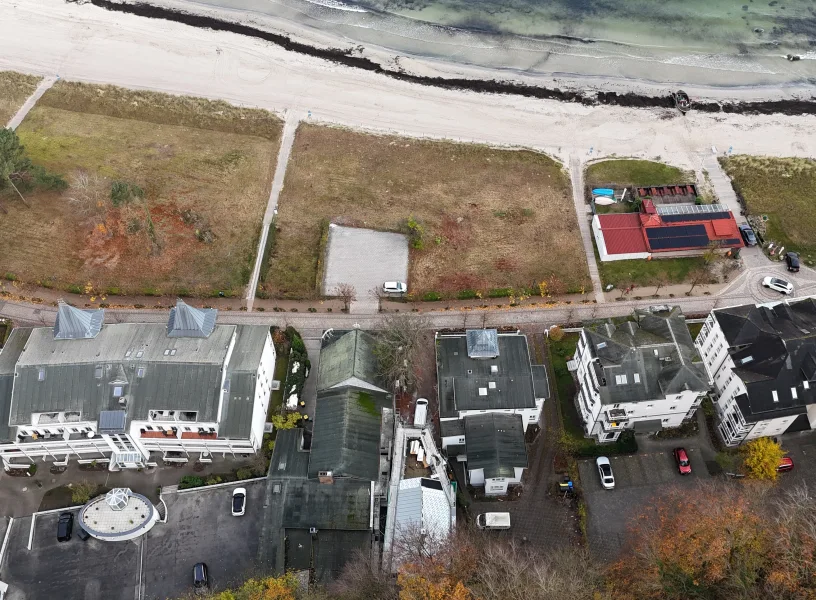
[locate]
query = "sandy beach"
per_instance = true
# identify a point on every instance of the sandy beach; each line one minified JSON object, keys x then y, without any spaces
{"x":87,"y":43}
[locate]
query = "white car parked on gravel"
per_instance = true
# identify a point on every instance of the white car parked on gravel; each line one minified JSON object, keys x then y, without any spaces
{"x":605,"y":471}
{"x":780,"y":285}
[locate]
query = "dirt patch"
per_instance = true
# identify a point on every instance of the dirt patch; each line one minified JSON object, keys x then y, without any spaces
{"x":190,"y":226}
{"x":15,"y":88}
{"x":472,"y":211}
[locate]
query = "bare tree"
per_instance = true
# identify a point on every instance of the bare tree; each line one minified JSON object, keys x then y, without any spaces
{"x":696,"y":276}
{"x":361,"y":581}
{"x":397,"y":348}
{"x":346,"y":293}
{"x":662,"y":279}
{"x":378,"y":294}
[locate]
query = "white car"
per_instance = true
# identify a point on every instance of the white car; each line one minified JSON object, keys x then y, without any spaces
{"x":780,"y":285}
{"x":394,"y":287}
{"x":605,"y":471}
{"x":238,"y":502}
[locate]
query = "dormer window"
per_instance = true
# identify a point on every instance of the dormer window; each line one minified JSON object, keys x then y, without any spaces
{"x":41,"y":375}
{"x":117,"y":391}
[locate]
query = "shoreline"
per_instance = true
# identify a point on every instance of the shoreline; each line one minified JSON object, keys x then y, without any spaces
{"x":750,"y":100}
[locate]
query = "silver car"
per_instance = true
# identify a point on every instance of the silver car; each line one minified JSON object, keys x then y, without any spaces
{"x":605,"y":471}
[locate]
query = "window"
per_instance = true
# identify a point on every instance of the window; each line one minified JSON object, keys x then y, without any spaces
{"x":672,"y":407}
{"x":665,"y":420}
{"x":620,"y":379}
{"x":609,"y":436}
{"x":41,"y":375}
{"x":775,"y":396}
{"x":793,"y":393}
{"x":140,"y":372}
{"x":140,"y":354}
{"x":98,"y":372}
{"x":117,"y":391}
{"x":636,"y":377}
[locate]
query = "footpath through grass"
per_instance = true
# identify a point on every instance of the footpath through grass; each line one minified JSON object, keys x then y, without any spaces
{"x":573,"y":440}
{"x":625,"y":173}
{"x":15,"y":88}
{"x":784,"y":189}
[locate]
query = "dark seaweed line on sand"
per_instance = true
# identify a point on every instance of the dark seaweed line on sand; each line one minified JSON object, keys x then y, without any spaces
{"x":345,"y":57}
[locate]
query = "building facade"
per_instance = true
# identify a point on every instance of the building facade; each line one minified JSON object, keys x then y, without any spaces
{"x":761,"y":362}
{"x":642,"y":374}
{"x":131,"y":394}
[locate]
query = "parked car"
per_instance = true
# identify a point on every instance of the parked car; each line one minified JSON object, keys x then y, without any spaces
{"x":395,"y":287}
{"x":683,"y":462}
{"x":748,"y":235}
{"x":81,"y":533}
{"x":201,"y":578}
{"x":494,"y":520}
{"x":64,"y":527}
{"x":785,"y":464}
{"x":605,"y":471}
{"x":792,"y":258}
{"x":421,"y":413}
{"x":780,"y":285}
{"x":238,"y":502}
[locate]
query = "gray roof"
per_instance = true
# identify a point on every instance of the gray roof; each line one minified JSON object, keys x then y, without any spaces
{"x":482,"y":343}
{"x":73,"y":323}
{"x":327,"y":551}
{"x":238,"y":394}
{"x":649,"y":356}
{"x":422,"y":505}
{"x":495,"y":443}
{"x":462,"y":377}
{"x":344,"y":504}
{"x":154,"y":371}
{"x":289,"y":459}
{"x":346,"y":435}
{"x":8,"y":359}
{"x":187,"y":321}
{"x":451,"y":427}
{"x":774,"y":350}
{"x":348,"y":357}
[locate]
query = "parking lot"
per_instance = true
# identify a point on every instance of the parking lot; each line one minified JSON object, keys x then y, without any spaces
{"x":640,"y":479}
{"x":200,"y":528}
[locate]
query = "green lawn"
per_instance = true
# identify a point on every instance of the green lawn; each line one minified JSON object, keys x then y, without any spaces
{"x":647,"y":274}
{"x":577,"y":444}
{"x":784,"y":189}
{"x":625,"y":173}
{"x":694,"y":329}
{"x":617,"y":208}
{"x":281,"y":368}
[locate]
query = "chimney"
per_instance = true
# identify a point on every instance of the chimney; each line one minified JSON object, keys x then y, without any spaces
{"x":325,"y":477}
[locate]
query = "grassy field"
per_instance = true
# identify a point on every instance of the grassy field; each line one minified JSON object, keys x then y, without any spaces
{"x":643,"y":273}
{"x":489,"y":218}
{"x":14,"y":89}
{"x":624,"y":173}
{"x":784,"y":189}
{"x":154,"y":207}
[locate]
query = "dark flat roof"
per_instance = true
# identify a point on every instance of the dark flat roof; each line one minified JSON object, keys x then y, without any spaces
{"x":495,"y":443}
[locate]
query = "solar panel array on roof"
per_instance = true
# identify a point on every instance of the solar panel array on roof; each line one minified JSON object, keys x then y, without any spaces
{"x":682,"y":236}
{"x":712,"y":216}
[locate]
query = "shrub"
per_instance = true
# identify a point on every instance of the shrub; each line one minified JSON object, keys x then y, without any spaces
{"x":213,"y":480}
{"x":244,"y":473}
{"x":467,"y":294}
{"x":74,"y":289}
{"x":11,"y":277}
{"x":432,"y":296}
{"x":500,"y":293}
{"x":416,"y":233}
{"x":298,"y":345}
{"x":190,"y":481}
{"x":556,"y":333}
{"x":123,"y":192}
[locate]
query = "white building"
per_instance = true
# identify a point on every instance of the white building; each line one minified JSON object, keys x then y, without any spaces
{"x":642,"y":374}
{"x":118,"y":393}
{"x":761,"y":360}
{"x":488,"y":393}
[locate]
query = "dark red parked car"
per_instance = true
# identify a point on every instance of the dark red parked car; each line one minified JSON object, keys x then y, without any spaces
{"x":683,"y":462}
{"x":785,"y":464}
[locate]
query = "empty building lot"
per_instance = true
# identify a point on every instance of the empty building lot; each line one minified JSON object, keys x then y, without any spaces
{"x":72,"y":570}
{"x":640,"y":479}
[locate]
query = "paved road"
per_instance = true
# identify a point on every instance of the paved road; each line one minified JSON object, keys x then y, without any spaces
{"x":582,"y":213}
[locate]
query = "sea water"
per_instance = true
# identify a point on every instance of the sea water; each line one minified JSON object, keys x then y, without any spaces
{"x":706,"y":42}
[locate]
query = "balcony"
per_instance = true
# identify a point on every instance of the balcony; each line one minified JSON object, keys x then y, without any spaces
{"x":615,"y":420}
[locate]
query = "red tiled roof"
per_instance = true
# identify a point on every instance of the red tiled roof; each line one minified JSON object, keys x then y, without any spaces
{"x":622,"y":233}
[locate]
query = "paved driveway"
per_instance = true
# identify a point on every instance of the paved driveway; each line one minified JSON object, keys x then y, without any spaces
{"x":201,"y":528}
{"x":640,"y":480}
{"x":364,"y":258}
{"x":802,"y":448}
{"x":72,"y":570}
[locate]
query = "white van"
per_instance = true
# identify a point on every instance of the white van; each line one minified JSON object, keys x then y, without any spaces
{"x":421,"y":413}
{"x":493,"y":521}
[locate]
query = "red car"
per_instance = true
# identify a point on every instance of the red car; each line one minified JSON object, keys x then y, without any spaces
{"x":683,"y":463}
{"x":785,"y":464}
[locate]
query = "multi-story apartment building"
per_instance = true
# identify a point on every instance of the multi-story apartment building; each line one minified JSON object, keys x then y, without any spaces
{"x":761,"y":361}
{"x":129,"y":394}
{"x":642,"y":374}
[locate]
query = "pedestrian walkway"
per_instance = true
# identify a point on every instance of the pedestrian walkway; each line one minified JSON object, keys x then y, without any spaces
{"x":577,"y":176}
{"x":722,"y":187}
{"x":287,"y":141}
{"x":46,"y":83}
